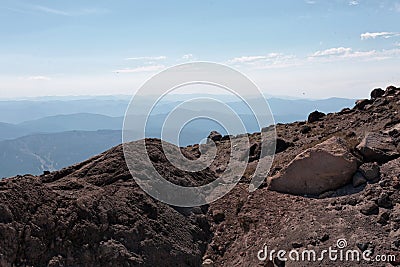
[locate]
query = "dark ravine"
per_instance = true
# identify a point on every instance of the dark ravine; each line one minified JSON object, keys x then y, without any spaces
{"x":94,"y":214}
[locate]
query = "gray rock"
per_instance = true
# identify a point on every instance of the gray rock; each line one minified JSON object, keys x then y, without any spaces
{"x":208,"y":263}
{"x":324,"y":167}
{"x":215,"y":136}
{"x":384,"y":218}
{"x":391,"y":90}
{"x":378,"y":92}
{"x":358,"y":179}
{"x":384,"y":201}
{"x":305,"y":129}
{"x":315,"y":116}
{"x":376,"y":147}
{"x":369,"y":208}
{"x":297,"y":245}
{"x":362,"y":103}
{"x":370,"y":171}
{"x":218,"y":216}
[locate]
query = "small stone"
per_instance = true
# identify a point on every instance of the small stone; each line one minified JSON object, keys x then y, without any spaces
{"x":208,"y":263}
{"x":305,"y":129}
{"x":282,"y":145}
{"x":324,"y":238}
{"x":345,"y":111}
{"x":218,"y":216}
{"x":358,"y":179}
{"x":370,"y":171}
{"x":384,"y":201}
{"x":362,"y":246}
{"x":369,"y":208}
{"x":384,"y":218}
{"x":279,"y":263}
{"x":297,"y":245}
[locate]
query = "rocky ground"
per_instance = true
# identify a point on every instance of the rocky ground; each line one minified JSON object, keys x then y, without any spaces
{"x":335,"y":176}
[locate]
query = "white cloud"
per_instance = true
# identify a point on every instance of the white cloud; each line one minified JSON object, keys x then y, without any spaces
{"x":373,"y":35}
{"x":39,"y":78}
{"x":247,"y":59}
{"x":188,"y":57}
{"x":341,"y":53}
{"x":50,"y":10}
{"x":147,"y":58}
{"x":310,"y":2}
{"x":271,"y":60}
{"x":141,"y":69}
{"x":332,"y":51}
{"x":336,"y":54}
{"x":80,"y":12}
{"x":354,"y":3}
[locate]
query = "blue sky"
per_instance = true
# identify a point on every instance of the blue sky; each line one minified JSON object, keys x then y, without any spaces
{"x":300,"y":48}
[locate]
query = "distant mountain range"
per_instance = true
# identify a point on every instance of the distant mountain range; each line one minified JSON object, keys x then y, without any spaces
{"x":48,"y":134}
{"x":40,"y":152}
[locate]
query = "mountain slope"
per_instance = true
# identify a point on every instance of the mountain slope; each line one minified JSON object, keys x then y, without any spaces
{"x":93,"y":213}
{"x":11,"y":131}
{"x":47,"y":152}
{"x":73,"y":122}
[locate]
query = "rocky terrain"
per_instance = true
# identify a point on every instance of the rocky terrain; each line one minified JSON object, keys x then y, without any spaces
{"x":334,"y":176}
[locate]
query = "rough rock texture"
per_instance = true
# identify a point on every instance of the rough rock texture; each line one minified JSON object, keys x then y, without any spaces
{"x":215,"y":136}
{"x":94,"y":214}
{"x":279,"y":220}
{"x":324,"y":167}
{"x":376,"y":147}
{"x":378,"y":92}
{"x":315,"y":116}
{"x":370,"y":171}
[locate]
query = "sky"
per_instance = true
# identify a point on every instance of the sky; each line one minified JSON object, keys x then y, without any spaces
{"x":302,"y":48}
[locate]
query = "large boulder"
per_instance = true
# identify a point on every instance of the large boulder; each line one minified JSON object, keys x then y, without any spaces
{"x":324,"y":167}
{"x":391,"y":90}
{"x":215,"y":136}
{"x":377,"y":92}
{"x":315,"y":116}
{"x":362,"y":103}
{"x":377,"y":147}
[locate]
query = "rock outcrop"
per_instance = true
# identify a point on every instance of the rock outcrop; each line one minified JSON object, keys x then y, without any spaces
{"x":324,"y":167}
{"x":315,"y":116}
{"x":376,"y":147}
{"x":378,"y":92}
{"x":215,"y":136}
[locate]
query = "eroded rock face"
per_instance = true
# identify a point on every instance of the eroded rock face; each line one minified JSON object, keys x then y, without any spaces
{"x":376,"y":147}
{"x":324,"y":167}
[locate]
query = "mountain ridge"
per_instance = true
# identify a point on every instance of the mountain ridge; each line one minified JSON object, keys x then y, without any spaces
{"x":94,"y":213}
